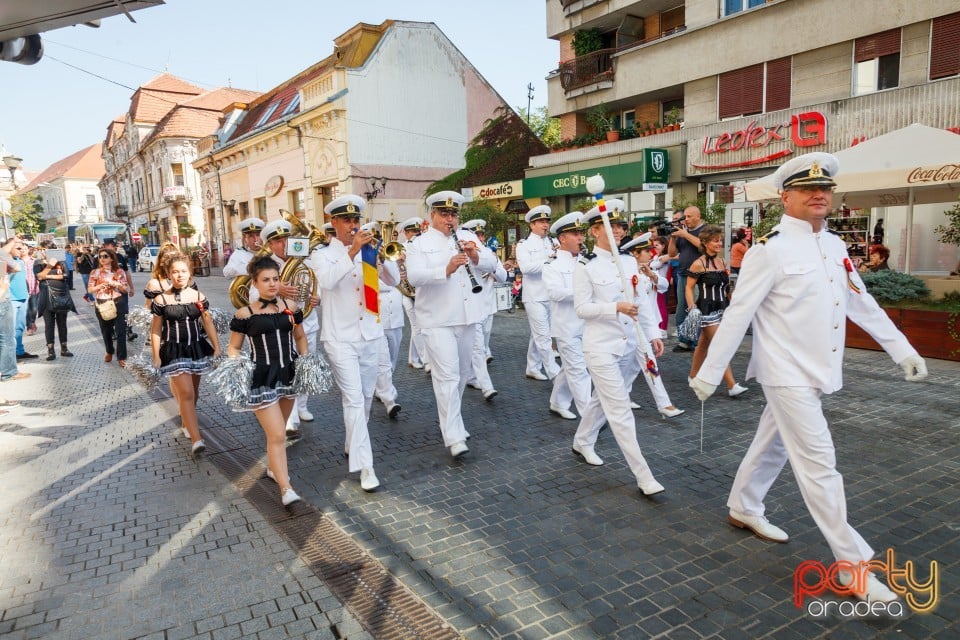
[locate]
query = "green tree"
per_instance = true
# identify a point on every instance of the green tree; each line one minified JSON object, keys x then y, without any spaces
{"x":545,"y":127}
{"x":497,"y":221}
{"x":950,"y":233}
{"x":26,"y":209}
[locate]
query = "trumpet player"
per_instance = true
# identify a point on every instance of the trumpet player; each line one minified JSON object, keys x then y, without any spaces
{"x":352,"y":335}
{"x":441,"y":264}
{"x":237,"y":264}
{"x":532,"y":254}
{"x":416,"y":357}
{"x":274,"y":236}
{"x":480,"y":377}
{"x":391,"y":319}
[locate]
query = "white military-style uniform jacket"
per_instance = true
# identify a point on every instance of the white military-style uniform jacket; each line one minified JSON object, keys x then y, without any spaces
{"x":443,"y":301}
{"x":487,"y":297}
{"x":558,"y":280}
{"x":391,"y":306}
{"x":596,"y":290}
{"x":237,"y":264}
{"x":797,"y":288}
{"x":340,"y":280}
{"x":532,"y":254}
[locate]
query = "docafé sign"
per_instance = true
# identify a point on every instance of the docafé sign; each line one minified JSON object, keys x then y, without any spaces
{"x":654,"y":168}
{"x":512,"y":189}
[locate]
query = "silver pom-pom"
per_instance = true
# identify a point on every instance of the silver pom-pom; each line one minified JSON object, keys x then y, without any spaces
{"x":312,"y":375}
{"x":140,"y":318}
{"x":232,"y":380}
{"x":221,"y":320}
{"x":689,"y":329}
{"x":141,"y":365}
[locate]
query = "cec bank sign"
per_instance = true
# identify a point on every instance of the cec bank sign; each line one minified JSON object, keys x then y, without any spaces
{"x":652,"y":170}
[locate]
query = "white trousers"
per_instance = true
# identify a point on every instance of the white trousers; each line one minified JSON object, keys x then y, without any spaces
{"x":487,"y":326}
{"x":659,"y":392}
{"x":792,"y":427}
{"x":479,"y":374}
{"x":300,"y":403}
{"x":355,"y":370}
{"x":449,"y":350}
{"x":417,"y":352}
{"x":385,"y":390}
{"x":540,"y":349}
{"x":572,"y":384}
{"x":612,"y":377}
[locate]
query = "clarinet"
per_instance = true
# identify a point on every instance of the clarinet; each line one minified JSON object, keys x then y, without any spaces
{"x":475,"y":286}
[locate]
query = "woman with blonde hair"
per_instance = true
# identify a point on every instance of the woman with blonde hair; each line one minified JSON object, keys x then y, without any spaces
{"x":108,"y":284}
{"x":159,"y":280}
{"x":181,"y":352}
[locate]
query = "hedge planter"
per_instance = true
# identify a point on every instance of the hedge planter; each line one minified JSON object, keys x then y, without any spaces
{"x":934,"y":334}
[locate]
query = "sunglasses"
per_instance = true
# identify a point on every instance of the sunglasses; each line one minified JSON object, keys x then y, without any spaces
{"x":104,"y":255}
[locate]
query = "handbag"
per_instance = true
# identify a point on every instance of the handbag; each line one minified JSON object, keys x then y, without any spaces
{"x":59,"y":300}
{"x":107,"y":309}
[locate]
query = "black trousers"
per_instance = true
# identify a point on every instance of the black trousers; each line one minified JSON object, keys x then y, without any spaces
{"x":115,"y":330}
{"x":58,"y":319}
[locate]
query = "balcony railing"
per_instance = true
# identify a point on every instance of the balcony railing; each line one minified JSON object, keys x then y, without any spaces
{"x":176,"y":194}
{"x":588,"y":69}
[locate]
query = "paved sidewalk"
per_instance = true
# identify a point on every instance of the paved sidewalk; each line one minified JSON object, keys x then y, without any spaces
{"x":110,"y":530}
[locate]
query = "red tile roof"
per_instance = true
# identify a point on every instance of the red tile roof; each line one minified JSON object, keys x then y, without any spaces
{"x":198,"y":116}
{"x":85,"y":164}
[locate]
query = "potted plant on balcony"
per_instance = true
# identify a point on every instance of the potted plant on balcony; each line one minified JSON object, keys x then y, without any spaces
{"x":602,"y":122}
{"x":672,"y":119}
{"x":586,"y":41}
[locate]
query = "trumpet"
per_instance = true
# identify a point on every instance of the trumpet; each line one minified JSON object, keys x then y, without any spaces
{"x":475,"y":286}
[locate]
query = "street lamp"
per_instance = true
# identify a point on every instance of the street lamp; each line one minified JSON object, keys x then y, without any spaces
{"x":12,"y":163}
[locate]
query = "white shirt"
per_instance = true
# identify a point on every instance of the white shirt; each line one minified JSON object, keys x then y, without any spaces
{"x":488,"y":297}
{"x":532,"y":254}
{"x":340,"y":280}
{"x":558,"y":279}
{"x":445,"y":301}
{"x":237,"y":264}
{"x":391,"y":307}
{"x":597,"y":288}
{"x":798,"y":293}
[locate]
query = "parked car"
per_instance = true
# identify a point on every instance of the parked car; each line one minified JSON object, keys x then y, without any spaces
{"x":147,"y":259}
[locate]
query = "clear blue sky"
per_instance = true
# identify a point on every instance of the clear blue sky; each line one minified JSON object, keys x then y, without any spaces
{"x":50,"y":110}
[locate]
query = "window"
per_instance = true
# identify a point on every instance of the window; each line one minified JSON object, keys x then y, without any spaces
{"x":177,"y":169}
{"x":758,"y":88}
{"x":735,"y":6}
{"x":91,"y":201}
{"x":292,"y":106}
{"x":244,"y":209}
{"x":945,"y":46}
{"x":628,"y":119}
{"x":266,"y":114}
{"x":296,"y":202}
{"x":876,"y":62}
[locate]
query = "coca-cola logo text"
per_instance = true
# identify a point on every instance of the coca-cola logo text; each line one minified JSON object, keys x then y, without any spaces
{"x":946,"y":173}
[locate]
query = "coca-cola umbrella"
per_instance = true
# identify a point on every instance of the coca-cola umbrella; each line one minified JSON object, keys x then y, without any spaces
{"x":914,"y":165}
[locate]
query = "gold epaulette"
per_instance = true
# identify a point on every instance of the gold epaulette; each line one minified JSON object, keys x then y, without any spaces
{"x":764,"y":239}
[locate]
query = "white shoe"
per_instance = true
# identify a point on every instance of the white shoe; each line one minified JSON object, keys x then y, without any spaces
{"x":186,"y":434}
{"x":270,"y":475}
{"x":667,"y":412}
{"x":426,"y":368}
{"x":634,"y":405}
{"x":566,"y":414}
{"x":736,"y":390}
{"x":458,"y":449}
{"x":306,"y":416}
{"x":198,"y":447}
{"x":873,"y":591}
{"x":489,"y":394}
{"x":289,"y":497}
{"x":758,"y":525}
{"x":392,"y":410}
{"x":292,"y":431}
{"x":536,"y":376}
{"x":368,"y":479}
{"x":474,"y":385}
{"x":651,"y":488}
{"x":589,"y":455}
{"x":415,"y":365}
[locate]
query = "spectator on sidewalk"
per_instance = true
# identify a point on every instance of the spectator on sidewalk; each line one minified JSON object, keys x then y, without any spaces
{"x":661,"y":266}
{"x":738,"y":250}
{"x":109,"y":282}
{"x":55,"y":303}
{"x":685,"y":245}
{"x":8,"y":329}
{"x":85,"y":263}
{"x":69,"y":260}
{"x":19,"y":296}
{"x":124,"y":264}
{"x":33,"y":288}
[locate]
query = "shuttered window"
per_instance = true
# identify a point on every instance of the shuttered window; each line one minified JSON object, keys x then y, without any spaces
{"x":741,"y":92}
{"x":945,"y":46}
{"x":876,"y":46}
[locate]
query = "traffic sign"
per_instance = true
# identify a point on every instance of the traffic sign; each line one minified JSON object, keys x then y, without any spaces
{"x":135,"y":236}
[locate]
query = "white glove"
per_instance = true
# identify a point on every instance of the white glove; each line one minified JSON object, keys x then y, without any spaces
{"x":702,"y":388}
{"x":914,"y":368}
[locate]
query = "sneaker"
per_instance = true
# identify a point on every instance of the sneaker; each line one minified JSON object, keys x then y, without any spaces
{"x":289,"y":497}
{"x":736,"y":390}
{"x":198,"y":447}
{"x":306,"y":416}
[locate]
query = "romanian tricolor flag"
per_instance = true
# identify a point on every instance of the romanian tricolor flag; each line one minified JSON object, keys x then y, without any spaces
{"x":371,"y":280}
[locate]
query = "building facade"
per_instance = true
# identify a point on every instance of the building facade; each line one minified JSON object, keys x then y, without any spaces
{"x":69,"y":190}
{"x":390,"y":110}
{"x":753,"y":82}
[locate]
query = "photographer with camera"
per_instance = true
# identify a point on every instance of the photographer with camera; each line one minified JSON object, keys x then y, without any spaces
{"x":685,"y":245}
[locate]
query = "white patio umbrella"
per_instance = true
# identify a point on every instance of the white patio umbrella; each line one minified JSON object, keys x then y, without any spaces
{"x":914,"y":165}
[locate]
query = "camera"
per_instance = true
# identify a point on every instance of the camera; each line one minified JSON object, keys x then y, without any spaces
{"x":666,"y":227}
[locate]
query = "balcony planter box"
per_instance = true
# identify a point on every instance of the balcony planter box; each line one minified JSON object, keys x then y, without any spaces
{"x":934,"y":334}
{"x":613,"y":135}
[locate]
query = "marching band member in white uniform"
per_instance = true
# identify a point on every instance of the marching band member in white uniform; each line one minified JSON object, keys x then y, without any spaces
{"x":447,"y":310}
{"x":352,"y":336}
{"x":532,"y":254}
{"x":572,"y":384}
{"x":611,"y":349}
{"x":240,"y":258}
{"x":410,"y":229}
{"x":649,"y":284}
{"x":391,"y":319}
{"x":798,"y":287}
{"x":479,"y":376}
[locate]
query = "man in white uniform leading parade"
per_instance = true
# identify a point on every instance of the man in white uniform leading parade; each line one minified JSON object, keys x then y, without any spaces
{"x":443,"y":264}
{"x":532,"y":254}
{"x":798,"y":287}
{"x":237,"y":264}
